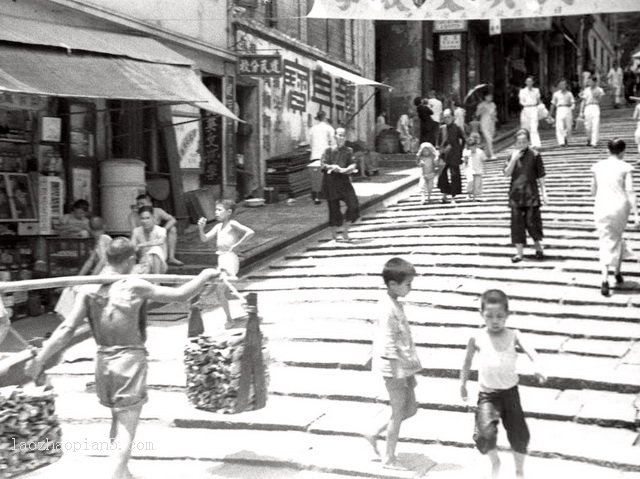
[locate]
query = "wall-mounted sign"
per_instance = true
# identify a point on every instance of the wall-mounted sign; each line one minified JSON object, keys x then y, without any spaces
{"x":450,"y":26}
{"x":450,"y":42}
{"x":535,"y":24}
{"x":260,"y":65}
{"x":428,"y":54}
{"x":22,"y":101}
{"x":495,"y":26}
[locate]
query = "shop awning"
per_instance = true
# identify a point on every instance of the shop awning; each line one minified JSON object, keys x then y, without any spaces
{"x":351,"y":77}
{"x":463,"y":9}
{"x":57,"y":60}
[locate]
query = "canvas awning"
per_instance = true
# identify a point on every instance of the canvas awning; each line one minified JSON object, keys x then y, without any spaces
{"x":463,"y":9}
{"x":55,"y":60}
{"x":350,"y":77}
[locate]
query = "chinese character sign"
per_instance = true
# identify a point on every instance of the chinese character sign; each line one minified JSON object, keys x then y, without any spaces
{"x":260,"y":65}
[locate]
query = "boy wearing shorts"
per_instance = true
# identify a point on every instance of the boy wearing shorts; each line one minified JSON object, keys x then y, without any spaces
{"x":117,"y":316}
{"x":394,"y":356}
{"x":498,"y":399}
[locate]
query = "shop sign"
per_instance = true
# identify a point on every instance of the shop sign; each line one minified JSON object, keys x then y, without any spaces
{"x":22,"y":101}
{"x":428,"y":54}
{"x":537,"y":24}
{"x":260,"y":65}
{"x":450,"y":26}
{"x":451,"y":42}
{"x":188,"y":139}
{"x":495,"y":26}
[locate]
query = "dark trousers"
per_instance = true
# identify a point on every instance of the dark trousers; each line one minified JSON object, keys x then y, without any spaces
{"x":493,"y":407}
{"x":449,"y":181}
{"x":523,"y":219}
{"x":353,"y":209}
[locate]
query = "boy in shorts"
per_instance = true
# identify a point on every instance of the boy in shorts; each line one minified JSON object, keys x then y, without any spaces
{"x":117,"y":315}
{"x":498,"y":399}
{"x":395,"y":357}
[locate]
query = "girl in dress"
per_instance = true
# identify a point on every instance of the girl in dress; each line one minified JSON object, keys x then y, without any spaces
{"x":474,"y":159}
{"x":612,"y":186}
{"x":427,"y":160}
{"x":229,"y":235}
{"x":486,"y":112}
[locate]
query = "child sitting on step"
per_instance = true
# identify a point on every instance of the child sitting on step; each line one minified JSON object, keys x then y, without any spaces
{"x":498,"y":398}
{"x":229,"y":234}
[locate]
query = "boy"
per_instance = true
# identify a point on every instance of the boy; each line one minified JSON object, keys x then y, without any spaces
{"x":474,"y":159}
{"x":117,"y":318}
{"x":162,"y":218}
{"x":395,"y":357}
{"x":150,"y":240}
{"x":229,"y":235}
{"x":498,"y":381}
{"x":76,"y":223}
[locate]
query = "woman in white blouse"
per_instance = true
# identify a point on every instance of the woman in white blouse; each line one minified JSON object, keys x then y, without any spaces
{"x":529,"y":100}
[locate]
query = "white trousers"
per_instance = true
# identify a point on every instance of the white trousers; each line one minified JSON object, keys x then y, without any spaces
{"x":592,"y":123}
{"x":564,"y":119}
{"x":529,"y":120}
{"x":638,"y":137}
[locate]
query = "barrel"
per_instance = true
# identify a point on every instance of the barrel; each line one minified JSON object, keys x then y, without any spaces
{"x":121,"y":180}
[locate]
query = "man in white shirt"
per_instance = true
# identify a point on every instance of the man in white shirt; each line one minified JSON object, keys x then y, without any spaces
{"x":435,"y":105}
{"x":529,"y":100}
{"x":590,"y":110}
{"x":616,"y":82}
{"x":562,"y":104}
{"x":321,"y":137}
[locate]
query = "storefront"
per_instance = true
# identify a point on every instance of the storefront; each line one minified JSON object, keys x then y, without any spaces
{"x":75,"y":102}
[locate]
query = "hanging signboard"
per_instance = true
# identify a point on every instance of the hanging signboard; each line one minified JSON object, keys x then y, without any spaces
{"x":536,"y":24}
{"x":421,"y":10}
{"x":451,"y":42}
{"x":260,"y":65}
{"x":450,"y":26}
{"x":495,"y":26}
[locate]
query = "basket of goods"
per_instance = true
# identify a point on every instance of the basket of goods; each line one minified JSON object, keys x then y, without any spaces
{"x":30,"y":434}
{"x":228,"y":373}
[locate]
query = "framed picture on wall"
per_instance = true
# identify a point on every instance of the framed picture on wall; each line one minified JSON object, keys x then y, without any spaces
{"x":51,"y":128}
{"x":21,"y":197}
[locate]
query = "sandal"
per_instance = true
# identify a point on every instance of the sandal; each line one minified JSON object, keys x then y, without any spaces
{"x":619,"y":278}
{"x":604,"y":288}
{"x":516,"y":259}
{"x":539,"y":255}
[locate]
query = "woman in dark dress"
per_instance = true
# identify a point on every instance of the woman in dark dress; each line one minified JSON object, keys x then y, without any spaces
{"x":526,"y":170}
{"x":428,"y":126}
{"x":451,"y":142}
{"x":337,"y":164}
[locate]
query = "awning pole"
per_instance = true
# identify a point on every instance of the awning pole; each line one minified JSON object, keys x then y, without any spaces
{"x":346,"y":123}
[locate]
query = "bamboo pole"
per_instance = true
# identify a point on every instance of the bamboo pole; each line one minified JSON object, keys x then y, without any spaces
{"x":66,"y":281}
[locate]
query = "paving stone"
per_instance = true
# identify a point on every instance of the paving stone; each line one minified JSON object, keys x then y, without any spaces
{"x":599,"y":347}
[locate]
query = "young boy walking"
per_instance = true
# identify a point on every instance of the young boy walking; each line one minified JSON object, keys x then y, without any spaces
{"x":117,"y":318}
{"x":395,"y":357}
{"x":498,"y":397}
{"x":229,"y":235}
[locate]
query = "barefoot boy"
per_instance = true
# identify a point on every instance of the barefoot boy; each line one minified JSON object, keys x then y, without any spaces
{"x":498,"y":398}
{"x":394,"y":356}
{"x":229,"y":234}
{"x":117,"y":317}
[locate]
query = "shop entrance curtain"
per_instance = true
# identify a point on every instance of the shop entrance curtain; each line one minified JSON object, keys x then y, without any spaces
{"x":464,"y":9}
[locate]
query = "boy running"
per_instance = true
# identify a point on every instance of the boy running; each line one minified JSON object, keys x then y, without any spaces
{"x":395,"y":357}
{"x":117,"y":316}
{"x":498,"y":398}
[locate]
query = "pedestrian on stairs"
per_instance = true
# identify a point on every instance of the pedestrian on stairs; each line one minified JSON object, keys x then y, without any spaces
{"x":612,"y":186}
{"x":395,"y":357}
{"x":526,"y":194}
{"x":451,"y":140}
{"x":590,"y":110}
{"x":529,"y":98}
{"x":562,"y":104}
{"x":636,"y":117}
{"x":428,"y":163}
{"x":474,"y":159}
{"x":498,"y":399}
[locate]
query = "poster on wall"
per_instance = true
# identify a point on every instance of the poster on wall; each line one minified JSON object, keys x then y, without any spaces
{"x":188,"y":139}
{"x":21,"y":196}
{"x":81,"y":185}
{"x":51,"y":129}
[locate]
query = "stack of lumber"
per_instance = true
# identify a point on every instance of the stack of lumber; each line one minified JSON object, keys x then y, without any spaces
{"x":213,"y":366}
{"x":30,"y":435}
{"x":288,"y":172}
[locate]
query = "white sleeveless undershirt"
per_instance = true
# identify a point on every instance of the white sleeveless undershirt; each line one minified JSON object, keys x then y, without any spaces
{"x":496,"y":369}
